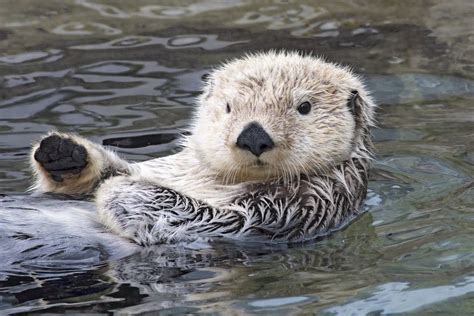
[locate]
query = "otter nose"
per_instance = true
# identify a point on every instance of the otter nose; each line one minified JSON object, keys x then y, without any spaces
{"x":254,"y":139}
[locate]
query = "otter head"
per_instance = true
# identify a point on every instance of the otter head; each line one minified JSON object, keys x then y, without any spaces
{"x":279,"y":115}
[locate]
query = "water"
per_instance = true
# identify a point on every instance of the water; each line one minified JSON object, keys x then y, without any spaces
{"x":126,"y":73}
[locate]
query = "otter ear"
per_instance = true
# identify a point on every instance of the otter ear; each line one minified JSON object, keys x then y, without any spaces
{"x":355,"y":104}
{"x":352,"y":103}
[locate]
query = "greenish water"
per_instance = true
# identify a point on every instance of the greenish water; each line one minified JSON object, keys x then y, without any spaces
{"x":125,"y":73}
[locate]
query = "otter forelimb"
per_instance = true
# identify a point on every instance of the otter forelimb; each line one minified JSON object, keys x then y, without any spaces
{"x":70,"y":164}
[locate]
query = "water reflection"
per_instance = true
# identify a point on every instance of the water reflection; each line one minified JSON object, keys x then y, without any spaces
{"x":396,"y":298}
{"x":36,"y":56}
{"x":208,"y":42}
{"x":275,"y":19}
{"x":160,"y":11}
{"x":79,"y":28}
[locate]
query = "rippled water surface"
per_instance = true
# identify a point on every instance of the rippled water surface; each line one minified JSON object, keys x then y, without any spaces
{"x":125,"y":73}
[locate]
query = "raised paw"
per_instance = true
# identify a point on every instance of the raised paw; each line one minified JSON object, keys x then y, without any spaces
{"x":61,"y":156}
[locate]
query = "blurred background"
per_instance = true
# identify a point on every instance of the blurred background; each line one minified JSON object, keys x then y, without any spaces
{"x":125,"y":73}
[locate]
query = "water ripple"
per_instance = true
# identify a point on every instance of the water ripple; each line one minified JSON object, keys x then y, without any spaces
{"x":79,"y":28}
{"x":48,"y":56}
{"x":204,"y":41}
{"x":397,"y":298}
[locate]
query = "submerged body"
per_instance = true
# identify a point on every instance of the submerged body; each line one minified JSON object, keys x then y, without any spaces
{"x":50,"y":231}
{"x":279,"y":151}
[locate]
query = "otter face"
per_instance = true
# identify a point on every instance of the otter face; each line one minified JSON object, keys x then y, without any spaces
{"x":276,"y":115}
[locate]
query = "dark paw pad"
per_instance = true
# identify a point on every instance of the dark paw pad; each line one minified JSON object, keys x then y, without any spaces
{"x":61,"y":156}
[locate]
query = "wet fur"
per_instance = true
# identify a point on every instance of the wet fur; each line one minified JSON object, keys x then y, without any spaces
{"x":311,"y":183}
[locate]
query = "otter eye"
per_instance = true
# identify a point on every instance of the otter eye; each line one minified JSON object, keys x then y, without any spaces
{"x":227,"y":108}
{"x":304,"y":108}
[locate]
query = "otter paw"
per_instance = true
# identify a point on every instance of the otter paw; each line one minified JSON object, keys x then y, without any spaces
{"x":61,"y":156}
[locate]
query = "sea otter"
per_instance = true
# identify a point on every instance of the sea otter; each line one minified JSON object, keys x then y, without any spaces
{"x":278,"y":150}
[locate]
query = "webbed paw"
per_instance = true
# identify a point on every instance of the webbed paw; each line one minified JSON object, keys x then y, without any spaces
{"x":61,"y":156}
